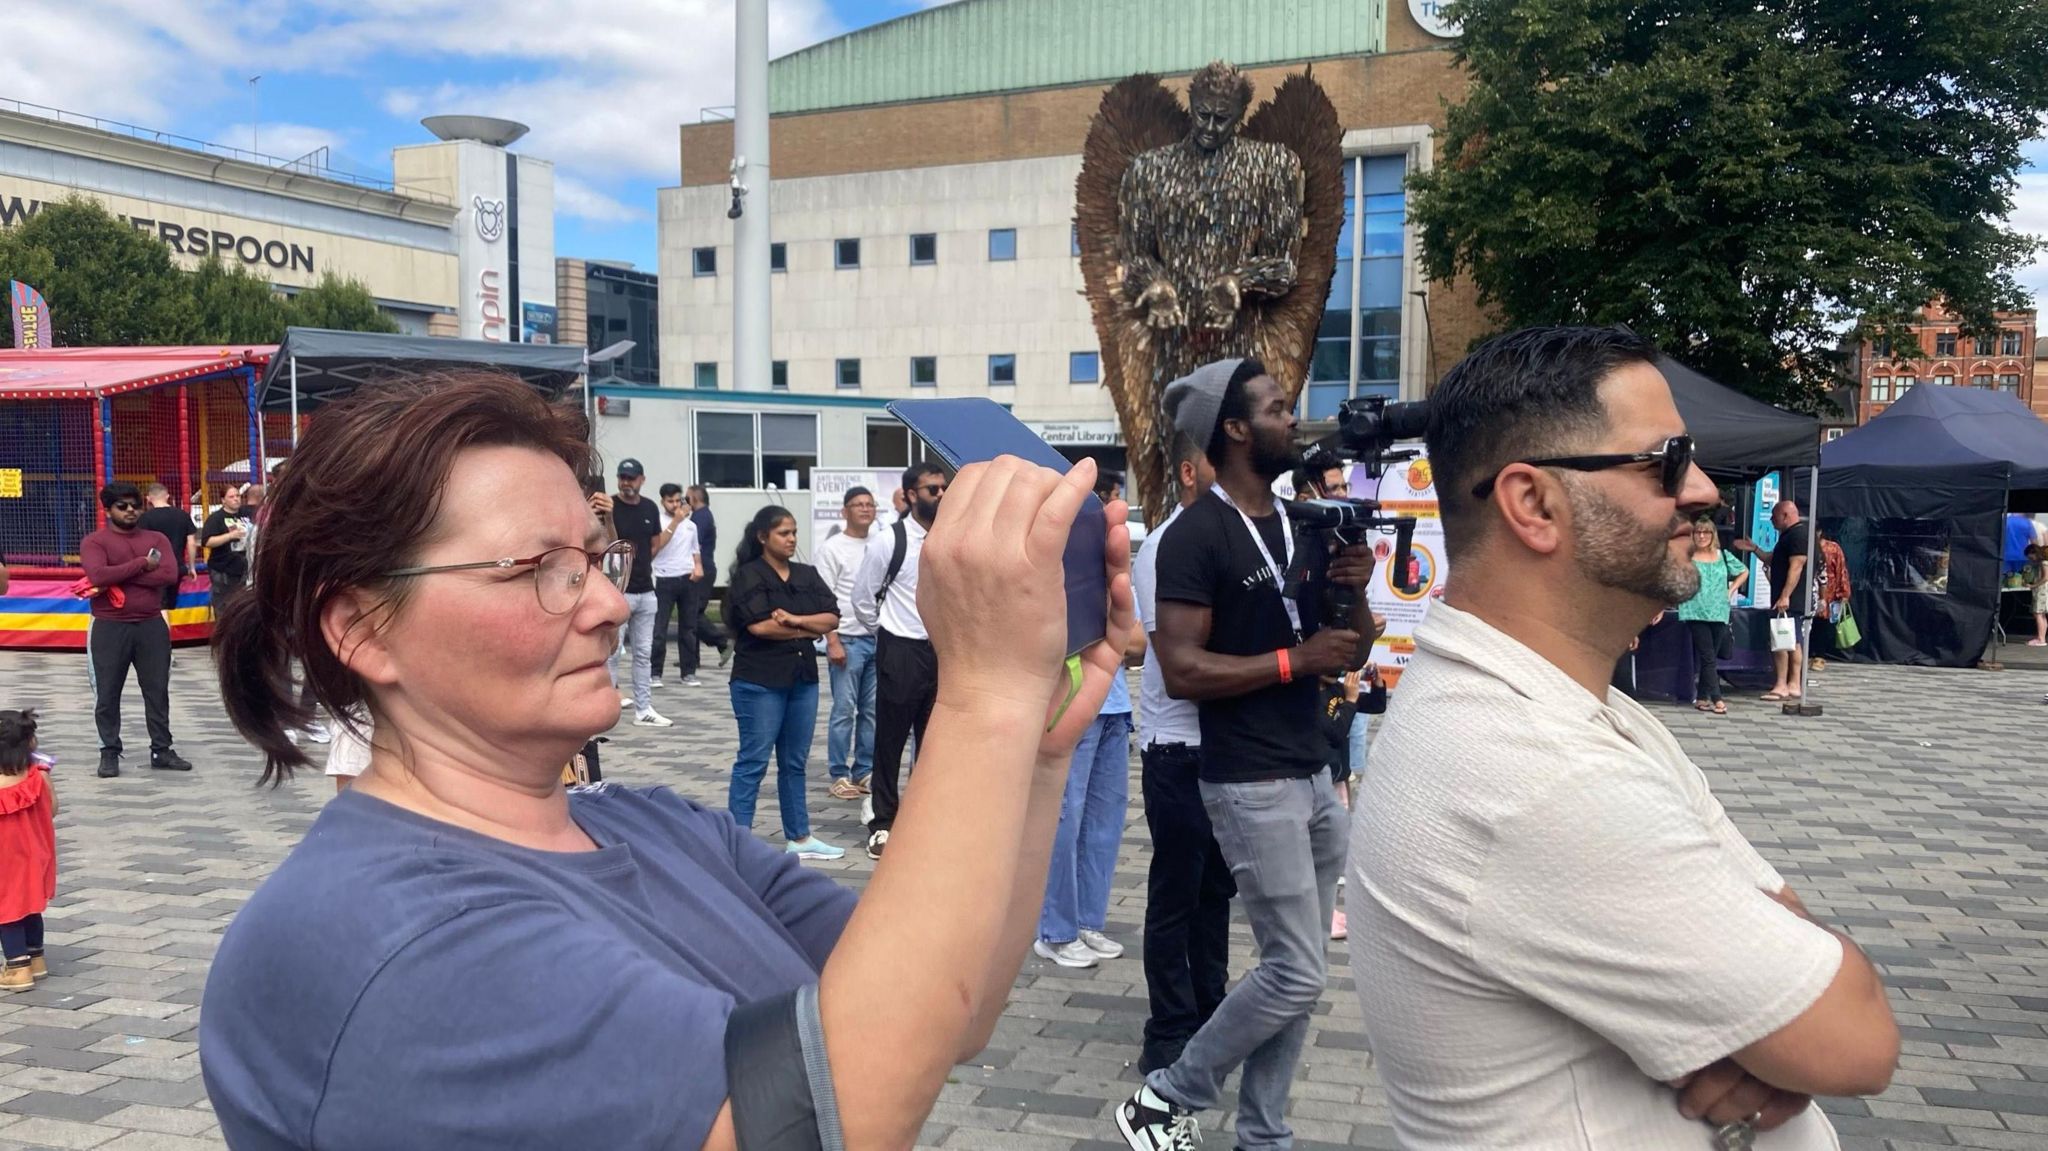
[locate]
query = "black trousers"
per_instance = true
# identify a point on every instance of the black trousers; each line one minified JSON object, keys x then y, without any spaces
{"x":1706,"y":653}
{"x":23,"y":937}
{"x":1187,"y":904}
{"x":672,"y":594}
{"x":117,"y":645}
{"x":224,"y":590}
{"x":906,"y":686}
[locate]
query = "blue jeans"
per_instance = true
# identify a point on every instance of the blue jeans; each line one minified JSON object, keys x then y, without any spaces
{"x":636,"y":642}
{"x":1284,"y":840}
{"x":852,"y":725}
{"x":778,"y":719}
{"x":1091,"y":827}
{"x":1361,"y":732}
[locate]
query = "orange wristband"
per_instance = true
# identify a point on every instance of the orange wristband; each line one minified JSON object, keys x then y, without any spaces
{"x":1286,"y":667}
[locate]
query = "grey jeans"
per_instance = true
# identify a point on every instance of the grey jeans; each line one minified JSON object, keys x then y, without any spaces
{"x":638,"y":639}
{"x":1287,"y":887}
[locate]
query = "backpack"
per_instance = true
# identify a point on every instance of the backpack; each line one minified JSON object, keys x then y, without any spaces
{"x":897,"y":552}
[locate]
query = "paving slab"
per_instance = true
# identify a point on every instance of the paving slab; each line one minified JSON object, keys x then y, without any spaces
{"x":1914,"y":814}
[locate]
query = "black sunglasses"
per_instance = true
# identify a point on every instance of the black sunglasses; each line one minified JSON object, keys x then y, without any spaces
{"x":125,"y":506}
{"x":1675,"y":457}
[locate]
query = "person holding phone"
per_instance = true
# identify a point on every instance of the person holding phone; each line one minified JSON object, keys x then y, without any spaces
{"x":129,"y":568}
{"x":606,"y":967}
{"x":1230,"y":639}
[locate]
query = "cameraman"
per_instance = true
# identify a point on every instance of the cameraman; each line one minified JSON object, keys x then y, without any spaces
{"x":1228,"y":639}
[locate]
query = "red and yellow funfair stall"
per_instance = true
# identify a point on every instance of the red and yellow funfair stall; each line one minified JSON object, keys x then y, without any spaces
{"x":75,"y":419}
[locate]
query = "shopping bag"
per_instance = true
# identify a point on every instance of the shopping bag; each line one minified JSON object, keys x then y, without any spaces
{"x":1784,"y":633}
{"x":1847,"y":634}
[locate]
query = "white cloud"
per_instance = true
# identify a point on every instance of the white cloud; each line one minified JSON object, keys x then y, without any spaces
{"x":284,"y":141}
{"x":604,"y":84}
{"x":573,"y":197}
{"x":2030,"y":216}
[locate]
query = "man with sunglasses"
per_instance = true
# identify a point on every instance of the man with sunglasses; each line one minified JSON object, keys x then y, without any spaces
{"x":130,"y":569}
{"x":906,"y":668}
{"x":1559,"y":938}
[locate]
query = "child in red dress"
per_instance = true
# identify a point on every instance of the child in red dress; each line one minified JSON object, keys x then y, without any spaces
{"x":28,"y":850}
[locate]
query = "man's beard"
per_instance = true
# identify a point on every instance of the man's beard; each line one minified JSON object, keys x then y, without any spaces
{"x":926,"y":512}
{"x":1275,"y":456}
{"x":1614,"y":550}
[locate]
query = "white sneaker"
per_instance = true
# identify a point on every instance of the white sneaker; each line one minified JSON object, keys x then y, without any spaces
{"x":1102,"y":945}
{"x":1150,"y":1123}
{"x":1072,"y":953}
{"x":692,"y":681}
{"x":625,"y":701}
{"x":655,"y":682}
{"x":318,"y":733}
{"x":653,"y":718}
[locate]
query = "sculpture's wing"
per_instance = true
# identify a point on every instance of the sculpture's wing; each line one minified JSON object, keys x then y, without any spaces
{"x":1301,"y":118}
{"x":1137,"y":114}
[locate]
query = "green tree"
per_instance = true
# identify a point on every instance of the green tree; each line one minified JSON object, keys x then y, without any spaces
{"x":342,"y":304}
{"x":107,"y":283}
{"x":1741,"y":180}
{"x":233,"y":305}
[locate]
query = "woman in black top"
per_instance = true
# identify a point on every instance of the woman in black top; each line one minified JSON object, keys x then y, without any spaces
{"x":776,"y":609}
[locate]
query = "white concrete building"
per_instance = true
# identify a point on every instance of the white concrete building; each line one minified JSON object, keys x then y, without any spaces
{"x":945,"y":281}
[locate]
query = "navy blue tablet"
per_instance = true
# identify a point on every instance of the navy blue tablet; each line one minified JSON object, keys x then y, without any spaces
{"x":973,"y":430}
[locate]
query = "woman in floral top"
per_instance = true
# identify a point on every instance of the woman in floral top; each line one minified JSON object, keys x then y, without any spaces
{"x":1706,"y":613}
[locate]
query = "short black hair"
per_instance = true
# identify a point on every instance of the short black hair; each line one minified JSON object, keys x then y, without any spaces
{"x":699,"y":491}
{"x":119,"y":490}
{"x":1534,"y":392}
{"x":17,"y":740}
{"x":1233,"y":406}
{"x":918,"y":471}
{"x":668,"y":490}
{"x":854,"y":493}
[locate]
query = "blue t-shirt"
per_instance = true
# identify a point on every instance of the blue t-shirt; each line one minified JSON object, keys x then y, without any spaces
{"x":404,"y":983}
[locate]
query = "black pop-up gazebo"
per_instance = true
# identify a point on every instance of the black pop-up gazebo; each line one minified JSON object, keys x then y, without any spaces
{"x":1917,"y":498}
{"x":1736,"y":439}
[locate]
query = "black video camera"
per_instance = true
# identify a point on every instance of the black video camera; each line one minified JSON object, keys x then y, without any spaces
{"x":1368,"y":427}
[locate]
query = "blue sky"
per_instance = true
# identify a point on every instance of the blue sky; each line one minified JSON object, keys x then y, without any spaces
{"x":603,"y":83}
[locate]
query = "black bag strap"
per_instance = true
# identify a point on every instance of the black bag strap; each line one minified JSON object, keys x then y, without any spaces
{"x":896,"y":556}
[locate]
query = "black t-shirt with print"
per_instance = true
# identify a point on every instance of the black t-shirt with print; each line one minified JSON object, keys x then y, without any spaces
{"x":229,"y":561}
{"x":638,"y":523}
{"x":1209,"y":559}
{"x":755,"y":594}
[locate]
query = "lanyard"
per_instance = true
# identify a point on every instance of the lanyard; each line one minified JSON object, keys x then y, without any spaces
{"x":1277,"y":571}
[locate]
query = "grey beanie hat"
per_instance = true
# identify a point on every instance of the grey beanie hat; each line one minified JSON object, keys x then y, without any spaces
{"x":1193,"y":400}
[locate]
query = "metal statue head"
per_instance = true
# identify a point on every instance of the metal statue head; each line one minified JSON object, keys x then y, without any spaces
{"x":1217,"y":98}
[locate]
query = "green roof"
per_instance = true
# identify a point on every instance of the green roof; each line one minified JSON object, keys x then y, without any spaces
{"x":972,"y":47}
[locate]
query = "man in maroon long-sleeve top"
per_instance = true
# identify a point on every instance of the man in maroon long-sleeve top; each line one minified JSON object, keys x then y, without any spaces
{"x":133,"y":570}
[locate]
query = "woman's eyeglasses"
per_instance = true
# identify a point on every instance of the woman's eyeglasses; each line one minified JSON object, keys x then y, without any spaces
{"x":559,"y":574}
{"x":1674,"y":460}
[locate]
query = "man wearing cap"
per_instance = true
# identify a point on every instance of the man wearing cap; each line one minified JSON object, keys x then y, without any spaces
{"x":1229,"y":639}
{"x":638,"y":522}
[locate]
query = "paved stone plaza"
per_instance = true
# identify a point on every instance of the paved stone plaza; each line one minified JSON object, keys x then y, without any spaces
{"x":1915,"y":814}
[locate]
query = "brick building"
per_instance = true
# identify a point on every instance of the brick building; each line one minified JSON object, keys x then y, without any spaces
{"x":2002,"y":361}
{"x":924,"y":196}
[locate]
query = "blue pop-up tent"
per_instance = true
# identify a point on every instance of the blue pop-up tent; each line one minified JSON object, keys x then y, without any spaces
{"x":1918,"y":498}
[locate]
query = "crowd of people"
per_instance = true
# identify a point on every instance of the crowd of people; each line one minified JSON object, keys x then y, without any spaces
{"x":1557,"y":936}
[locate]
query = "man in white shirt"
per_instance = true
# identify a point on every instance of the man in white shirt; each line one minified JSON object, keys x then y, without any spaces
{"x":1188,"y":888}
{"x":906,"y":668}
{"x":675,"y":565}
{"x":1559,"y":938}
{"x":850,"y":651}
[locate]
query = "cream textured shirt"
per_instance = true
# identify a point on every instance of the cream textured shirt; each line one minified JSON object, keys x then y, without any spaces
{"x":1551,"y":916}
